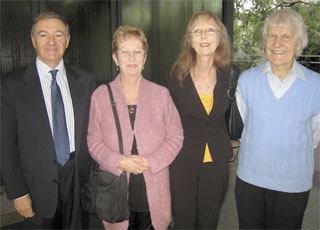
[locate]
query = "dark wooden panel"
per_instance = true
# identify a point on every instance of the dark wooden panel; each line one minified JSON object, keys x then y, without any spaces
{"x":92,"y":24}
{"x":16,"y":46}
{"x":90,"y":44}
{"x":164,"y":23}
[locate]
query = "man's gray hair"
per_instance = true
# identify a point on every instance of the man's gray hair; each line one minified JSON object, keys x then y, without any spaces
{"x":49,"y":15}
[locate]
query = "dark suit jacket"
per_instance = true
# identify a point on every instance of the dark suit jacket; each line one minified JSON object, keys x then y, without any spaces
{"x":28,"y":155}
{"x":198,"y":127}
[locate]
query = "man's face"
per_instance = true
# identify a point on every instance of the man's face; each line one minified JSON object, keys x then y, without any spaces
{"x":50,"y":39}
{"x":281,"y":46}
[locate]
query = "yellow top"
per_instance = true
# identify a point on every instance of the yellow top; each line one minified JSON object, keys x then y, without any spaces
{"x":207,"y":101}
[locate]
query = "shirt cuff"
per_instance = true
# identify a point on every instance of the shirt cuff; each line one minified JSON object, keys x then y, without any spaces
{"x":22,"y":197}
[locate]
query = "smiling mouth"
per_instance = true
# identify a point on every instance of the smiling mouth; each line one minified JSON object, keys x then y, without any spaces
{"x":278,"y":52}
{"x":52,"y":50}
{"x":132,"y":66}
{"x":204,"y":44}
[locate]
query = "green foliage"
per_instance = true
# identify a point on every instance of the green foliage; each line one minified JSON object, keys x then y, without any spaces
{"x":249,"y":17}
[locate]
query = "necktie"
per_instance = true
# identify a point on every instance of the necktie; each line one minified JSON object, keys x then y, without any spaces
{"x":60,"y":133}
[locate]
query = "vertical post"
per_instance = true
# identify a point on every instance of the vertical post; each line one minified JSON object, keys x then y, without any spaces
{"x":116,"y":20}
{"x":227,"y":16}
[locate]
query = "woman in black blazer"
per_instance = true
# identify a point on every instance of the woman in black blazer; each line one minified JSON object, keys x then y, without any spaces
{"x":198,"y":84}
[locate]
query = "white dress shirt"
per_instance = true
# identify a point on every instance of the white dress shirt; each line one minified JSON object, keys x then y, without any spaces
{"x":279,"y":88}
{"x":45,"y":80}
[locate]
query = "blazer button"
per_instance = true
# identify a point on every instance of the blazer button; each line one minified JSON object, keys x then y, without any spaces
{"x":55,"y":181}
{"x":55,"y":161}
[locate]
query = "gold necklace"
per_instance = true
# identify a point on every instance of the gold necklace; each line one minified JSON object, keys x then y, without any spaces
{"x":198,"y":84}
{"x":202,"y":88}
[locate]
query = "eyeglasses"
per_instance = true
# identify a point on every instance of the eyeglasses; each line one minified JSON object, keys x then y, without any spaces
{"x":208,"y":32}
{"x":127,"y":53}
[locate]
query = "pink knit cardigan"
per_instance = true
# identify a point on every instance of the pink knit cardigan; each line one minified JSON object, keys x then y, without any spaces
{"x":159,"y":137}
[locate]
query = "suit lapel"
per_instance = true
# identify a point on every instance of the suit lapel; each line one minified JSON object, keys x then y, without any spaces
{"x":77,"y":91}
{"x":219,"y":93}
{"x":33,"y":100}
{"x":193,"y":99}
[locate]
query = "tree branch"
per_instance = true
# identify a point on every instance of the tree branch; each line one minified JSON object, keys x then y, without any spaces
{"x":290,"y":4}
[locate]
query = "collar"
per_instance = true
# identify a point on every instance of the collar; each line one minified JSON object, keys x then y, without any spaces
{"x":295,"y":71}
{"x":43,"y":69}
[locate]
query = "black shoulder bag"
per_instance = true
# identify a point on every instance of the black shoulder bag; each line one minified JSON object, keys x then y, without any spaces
{"x":105,"y":194}
{"x":233,"y":118}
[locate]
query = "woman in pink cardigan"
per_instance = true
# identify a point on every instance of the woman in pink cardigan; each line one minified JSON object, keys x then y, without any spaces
{"x":151,"y":129}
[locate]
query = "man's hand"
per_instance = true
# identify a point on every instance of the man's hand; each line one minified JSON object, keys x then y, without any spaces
{"x":23,"y":206}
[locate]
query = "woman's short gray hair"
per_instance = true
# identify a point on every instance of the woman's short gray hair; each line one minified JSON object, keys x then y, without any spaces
{"x":287,"y":17}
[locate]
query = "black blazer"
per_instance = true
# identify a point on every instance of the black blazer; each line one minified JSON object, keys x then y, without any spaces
{"x":200,"y":128}
{"x":28,"y":158}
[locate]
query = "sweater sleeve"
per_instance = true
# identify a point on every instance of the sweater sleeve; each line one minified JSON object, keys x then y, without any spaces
{"x":107,"y":158}
{"x":172,"y":143}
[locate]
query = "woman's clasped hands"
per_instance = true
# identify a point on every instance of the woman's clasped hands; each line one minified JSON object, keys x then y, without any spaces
{"x":134,"y":164}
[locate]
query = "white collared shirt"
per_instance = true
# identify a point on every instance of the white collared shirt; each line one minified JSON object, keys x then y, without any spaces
{"x":279,"y":88}
{"x":45,"y":80}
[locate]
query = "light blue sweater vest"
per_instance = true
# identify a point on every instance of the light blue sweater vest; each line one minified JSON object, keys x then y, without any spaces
{"x":277,"y":145}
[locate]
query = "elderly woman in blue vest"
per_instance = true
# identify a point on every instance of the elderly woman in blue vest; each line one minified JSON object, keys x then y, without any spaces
{"x":279,"y":102}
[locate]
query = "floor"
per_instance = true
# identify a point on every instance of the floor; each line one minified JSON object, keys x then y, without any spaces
{"x":228,"y":216}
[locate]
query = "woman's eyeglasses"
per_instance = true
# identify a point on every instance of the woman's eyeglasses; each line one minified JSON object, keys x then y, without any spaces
{"x":127,"y":53}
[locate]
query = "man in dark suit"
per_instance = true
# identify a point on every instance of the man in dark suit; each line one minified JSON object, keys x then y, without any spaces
{"x":44,"y":116}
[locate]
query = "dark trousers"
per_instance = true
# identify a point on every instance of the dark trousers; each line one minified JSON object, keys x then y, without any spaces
{"x":260,"y":208}
{"x":68,"y":213}
{"x":140,"y":221}
{"x":197,"y":194}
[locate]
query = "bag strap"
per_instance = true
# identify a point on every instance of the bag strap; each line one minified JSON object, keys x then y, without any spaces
{"x":233,"y":79}
{"x":116,"y":118}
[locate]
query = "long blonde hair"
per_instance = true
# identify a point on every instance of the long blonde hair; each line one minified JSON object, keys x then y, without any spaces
{"x":187,"y":58}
